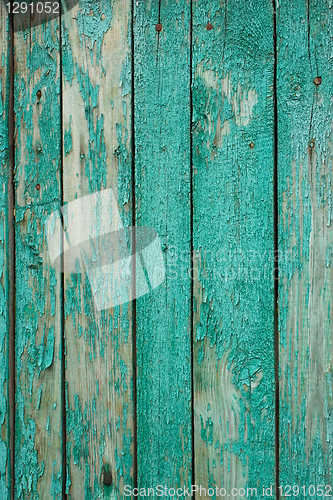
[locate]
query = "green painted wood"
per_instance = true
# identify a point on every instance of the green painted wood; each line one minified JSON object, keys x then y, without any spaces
{"x":38,"y":441}
{"x":96,"y":69}
{"x":233,"y":211}
{"x":162,"y":190}
{"x":233,"y":171}
{"x":305,"y":116}
{"x":5,"y":478}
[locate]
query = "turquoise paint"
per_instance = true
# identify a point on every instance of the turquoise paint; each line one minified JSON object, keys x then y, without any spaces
{"x":107,"y":330}
{"x":162,"y":187}
{"x":92,"y":28}
{"x":5,"y":476}
{"x":56,"y":485}
{"x":37,"y":161}
{"x":67,"y":55}
{"x":95,"y":160}
{"x":68,"y":143}
{"x":233,"y":165}
{"x":304,"y":35}
{"x":232,"y":217}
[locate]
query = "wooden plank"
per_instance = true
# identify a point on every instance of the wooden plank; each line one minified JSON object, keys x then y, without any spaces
{"x":162,"y":186}
{"x":304,"y":36}
{"x":97,"y":156}
{"x":233,"y":172}
{"x":38,"y":448}
{"x":5,"y":254}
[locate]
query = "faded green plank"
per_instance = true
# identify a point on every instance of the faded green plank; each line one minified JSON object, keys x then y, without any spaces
{"x":162,"y":186}
{"x":5,"y":256}
{"x":233,"y":165}
{"x":38,"y":442}
{"x":304,"y":43}
{"x":97,"y":156}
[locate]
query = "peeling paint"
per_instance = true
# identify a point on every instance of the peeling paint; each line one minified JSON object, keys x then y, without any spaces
{"x":98,"y":344}
{"x":233,"y":166}
{"x":38,"y":332}
{"x":305,"y":241}
{"x":162,"y":177}
{"x":5,"y":476}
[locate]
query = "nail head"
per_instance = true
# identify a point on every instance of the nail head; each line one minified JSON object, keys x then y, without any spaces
{"x":317,"y":80}
{"x":251,"y":145}
{"x":38,"y":187}
{"x":158,"y":27}
{"x":209,"y":26}
{"x":39,"y":94}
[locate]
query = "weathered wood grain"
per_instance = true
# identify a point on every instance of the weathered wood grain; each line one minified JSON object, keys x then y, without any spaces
{"x":38,"y":453}
{"x":162,"y":189}
{"x":5,"y":255}
{"x":305,"y":118}
{"x":233,"y":172}
{"x":96,"y":66}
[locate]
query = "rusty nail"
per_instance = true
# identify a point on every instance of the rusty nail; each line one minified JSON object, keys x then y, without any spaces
{"x":158,"y":27}
{"x":209,"y":26}
{"x":251,"y":145}
{"x":38,"y":187}
{"x":311,"y":145}
{"x":39,"y":94}
{"x":317,"y":80}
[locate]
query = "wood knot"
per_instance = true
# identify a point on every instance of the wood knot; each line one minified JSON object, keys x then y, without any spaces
{"x":38,"y":94}
{"x":209,"y":26}
{"x":107,"y":475}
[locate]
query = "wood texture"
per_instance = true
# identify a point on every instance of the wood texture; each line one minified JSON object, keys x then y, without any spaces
{"x":305,"y":117}
{"x":38,"y":455}
{"x":96,"y":66}
{"x":73,"y":138}
{"x":233,"y":165}
{"x":5,"y":255}
{"x":162,"y":189}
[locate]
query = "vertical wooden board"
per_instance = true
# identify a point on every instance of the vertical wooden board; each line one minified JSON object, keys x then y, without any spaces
{"x":38,"y":441}
{"x":5,"y":256}
{"x":96,"y":65}
{"x":233,"y":208}
{"x":305,"y":118}
{"x":162,"y":187}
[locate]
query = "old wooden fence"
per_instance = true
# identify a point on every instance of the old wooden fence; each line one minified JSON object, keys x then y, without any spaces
{"x":211,"y":121}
